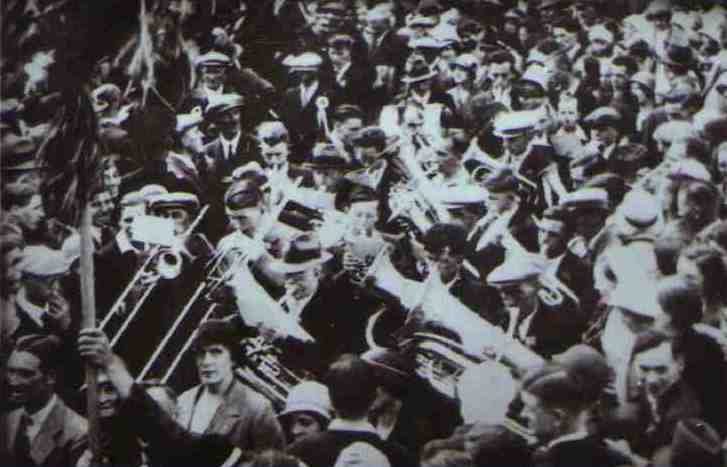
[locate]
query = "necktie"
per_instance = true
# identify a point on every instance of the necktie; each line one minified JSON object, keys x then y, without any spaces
{"x":22,"y":442}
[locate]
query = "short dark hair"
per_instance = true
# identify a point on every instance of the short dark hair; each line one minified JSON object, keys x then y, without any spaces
{"x":352,"y":384}
{"x":681,"y":299}
{"x":440,"y":236}
{"x":502,"y":56}
{"x":44,"y":347}
{"x":651,"y":339}
{"x":556,"y":388}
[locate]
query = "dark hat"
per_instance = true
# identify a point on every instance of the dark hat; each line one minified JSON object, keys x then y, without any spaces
{"x":586,"y":363}
{"x":695,"y":443}
{"x":18,"y":154}
{"x":419,"y":71}
{"x":555,"y":386}
{"x":217,"y":331}
{"x":679,"y":55}
{"x":305,"y":252}
{"x":371,"y":136}
{"x":394,"y":369}
{"x":629,"y":158}
{"x":45,"y":347}
{"x":242,"y":194}
{"x":501,"y":181}
{"x":344,"y":111}
{"x":327,"y":157}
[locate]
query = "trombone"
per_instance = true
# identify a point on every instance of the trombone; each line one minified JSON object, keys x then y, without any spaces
{"x":162,"y":263}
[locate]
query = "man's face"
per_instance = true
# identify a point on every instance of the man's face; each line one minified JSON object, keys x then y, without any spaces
{"x":551,"y":243}
{"x":563,"y":36}
{"x":605,"y":135}
{"x":193,"y":140}
{"x":348,"y":128}
{"x":11,"y":271}
{"x":364,"y":216}
{"x":128,"y":213}
{"x":26,"y":382}
{"x":517,"y":144}
{"x":326,"y":178}
{"x":213,"y":76}
{"x":108,"y":397}
{"x":112,"y":179}
{"x":102,"y":208}
{"x":366,"y":155}
{"x":229,"y":124}
{"x":518,"y":294}
{"x":41,"y":288}
{"x":246,"y":219}
{"x":541,"y":420}
{"x":339,"y":52}
{"x":722,"y":162}
{"x":31,"y":215}
{"x":448,"y":263}
{"x":274,"y":155}
{"x":303,"y":424}
{"x":180,"y":217}
{"x":568,"y":114}
{"x":303,"y":284}
{"x":214,"y":364}
{"x":501,"y":74}
{"x":658,"y":369}
{"x":531,"y":96}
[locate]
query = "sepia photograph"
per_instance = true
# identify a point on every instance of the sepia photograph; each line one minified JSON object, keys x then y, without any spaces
{"x":363,"y":233}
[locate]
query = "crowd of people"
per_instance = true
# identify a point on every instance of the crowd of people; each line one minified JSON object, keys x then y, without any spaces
{"x":365,"y":232}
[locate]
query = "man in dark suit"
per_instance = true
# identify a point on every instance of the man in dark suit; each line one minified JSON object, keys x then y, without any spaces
{"x":351,"y":77}
{"x":40,"y":429}
{"x":231,"y":148}
{"x":302,"y":104}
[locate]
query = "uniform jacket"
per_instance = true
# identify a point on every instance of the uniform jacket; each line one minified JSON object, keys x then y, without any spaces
{"x":60,"y":441}
{"x":245,"y":418}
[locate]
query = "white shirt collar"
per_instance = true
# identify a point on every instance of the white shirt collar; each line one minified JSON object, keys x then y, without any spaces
{"x":342,"y":71}
{"x":229,"y":146}
{"x":581,"y":434}
{"x":33,"y":311}
{"x":307,"y":92}
{"x":38,"y":418}
{"x":348,"y":425}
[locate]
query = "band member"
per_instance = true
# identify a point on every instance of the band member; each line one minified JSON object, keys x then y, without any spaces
{"x":220,"y":403}
{"x":547,"y":328}
{"x":39,"y":429}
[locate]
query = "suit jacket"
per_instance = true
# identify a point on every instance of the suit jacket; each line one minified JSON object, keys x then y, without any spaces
{"x":302,"y":122}
{"x":245,"y":418}
{"x":60,"y":441}
{"x":576,"y":453}
{"x":219,"y":166}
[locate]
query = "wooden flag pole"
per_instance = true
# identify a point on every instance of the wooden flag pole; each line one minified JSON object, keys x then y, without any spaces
{"x":88,"y":318}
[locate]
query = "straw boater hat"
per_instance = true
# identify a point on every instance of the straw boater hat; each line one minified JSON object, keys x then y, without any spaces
{"x":213,"y":59}
{"x":420,"y":71}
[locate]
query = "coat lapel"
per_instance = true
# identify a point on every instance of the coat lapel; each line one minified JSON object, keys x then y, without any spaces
{"x":229,"y":411}
{"x":47,"y":437}
{"x":10,"y":429}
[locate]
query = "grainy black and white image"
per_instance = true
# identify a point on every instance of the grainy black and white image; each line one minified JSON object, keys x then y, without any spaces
{"x":386,"y":233}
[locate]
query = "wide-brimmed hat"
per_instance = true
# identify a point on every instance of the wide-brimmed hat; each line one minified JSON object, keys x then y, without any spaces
{"x":305,"y":252}
{"x":419,"y":72}
{"x":18,"y":154}
{"x":219,"y":105}
{"x":327,"y":157}
{"x":309,"y":396}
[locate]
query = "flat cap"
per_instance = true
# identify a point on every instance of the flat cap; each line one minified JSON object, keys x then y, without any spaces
{"x":307,"y":61}
{"x":213,"y":58}
{"x":467,"y":61}
{"x":604,"y":116}
{"x":537,"y":74}
{"x":18,"y":153}
{"x":371,"y":136}
{"x":501,"y":181}
{"x":690,"y":169}
{"x":219,"y":105}
{"x":45,"y":347}
{"x":516,"y":269}
{"x":189,"y":120}
{"x":44,"y":262}
{"x":242,"y":194}
{"x":181,"y":200}
{"x":586,"y":198}
{"x":509,"y":124}
{"x":640,"y":209}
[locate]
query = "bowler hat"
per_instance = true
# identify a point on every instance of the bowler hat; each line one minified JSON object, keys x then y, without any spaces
{"x":419,"y":72}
